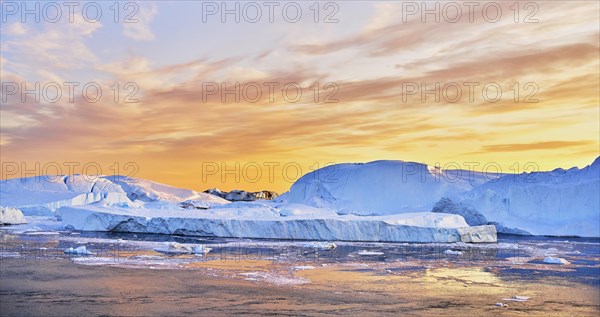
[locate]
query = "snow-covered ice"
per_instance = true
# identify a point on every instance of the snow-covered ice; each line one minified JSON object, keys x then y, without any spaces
{"x":452,"y":252}
{"x":11,"y":216}
{"x":43,"y":233}
{"x":380,"y":187}
{"x":36,"y":224}
{"x":517,"y":298}
{"x":321,"y":245}
{"x":554,"y":260}
{"x":303,"y":267}
{"x":382,"y":201}
{"x":81,"y":250}
{"x":266,"y":223}
{"x":559,"y":202}
{"x":369,"y":253}
{"x":44,"y":195}
{"x":174,"y":248}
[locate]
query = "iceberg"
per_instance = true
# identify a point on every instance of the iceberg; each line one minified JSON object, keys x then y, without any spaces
{"x":517,"y":298}
{"x":266,"y":223}
{"x":174,"y":248}
{"x":322,"y":245}
{"x":382,"y":201}
{"x":303,"y":267}
{"x":381,"y":187}
{"x":553,"y":260}
{"x":149,"y":191}
{"x":43,"y":195}
{"x":82,"y":250}
{"x":556,"y":203}
{"x":452,"y":252}
{"x":369,"y":253}
{"x":11,"y":216}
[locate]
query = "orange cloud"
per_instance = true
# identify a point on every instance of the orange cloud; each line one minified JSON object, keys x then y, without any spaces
{"x":549,"y":145}
{"x":172,"y":131}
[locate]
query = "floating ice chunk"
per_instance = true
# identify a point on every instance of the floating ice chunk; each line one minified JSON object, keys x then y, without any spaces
{"x":321,"y":245}
{"x":201,"y":249}
{"x":452,"y":252}
{"x":11,"y":216}
{"x":82,"y":250}
{"x":5,"y":254}
{"x":42,"y":233}
{"x":553,"y":260}
{"x":367,"y":253}
{"x":304,"y":267}
{"x":178,"y":246}
{"x":517,"y":298}
{"x":175,"y":248}
{"x":250,"y":274}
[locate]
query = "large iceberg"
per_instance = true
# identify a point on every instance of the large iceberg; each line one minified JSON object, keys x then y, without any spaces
{"x":559,"y":202}
{"x":43,"y":195}
{"x":378,"y":201}
{"x":267,"y":222}
{"x":114,"y":203}
{"x":381,"y":187}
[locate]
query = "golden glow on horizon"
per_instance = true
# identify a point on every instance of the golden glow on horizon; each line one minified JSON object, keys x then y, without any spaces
{"x":171,"y":132}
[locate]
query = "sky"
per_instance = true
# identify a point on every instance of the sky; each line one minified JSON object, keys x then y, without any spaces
{"x":517,"y":88}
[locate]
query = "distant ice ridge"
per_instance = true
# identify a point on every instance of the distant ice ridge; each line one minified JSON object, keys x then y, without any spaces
{"x":242,"y":195}
{"x":559,"y":203}
{"x":381,"y":187}
{"x":44,"y":195}
{"x":149,"y":191}
{"x":266,"y":222}
{"x":377,"y":201}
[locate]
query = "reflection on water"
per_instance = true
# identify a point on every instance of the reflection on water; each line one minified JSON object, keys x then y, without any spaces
{"x":461,"y":275}
{"x":511,"y":256}
{"x":125,"y":276}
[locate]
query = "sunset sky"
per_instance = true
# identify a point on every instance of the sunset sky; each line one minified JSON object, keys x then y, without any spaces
{"x":371,"y":54}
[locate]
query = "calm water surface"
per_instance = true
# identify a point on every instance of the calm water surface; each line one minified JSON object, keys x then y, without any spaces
{"x":127,"y":277}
